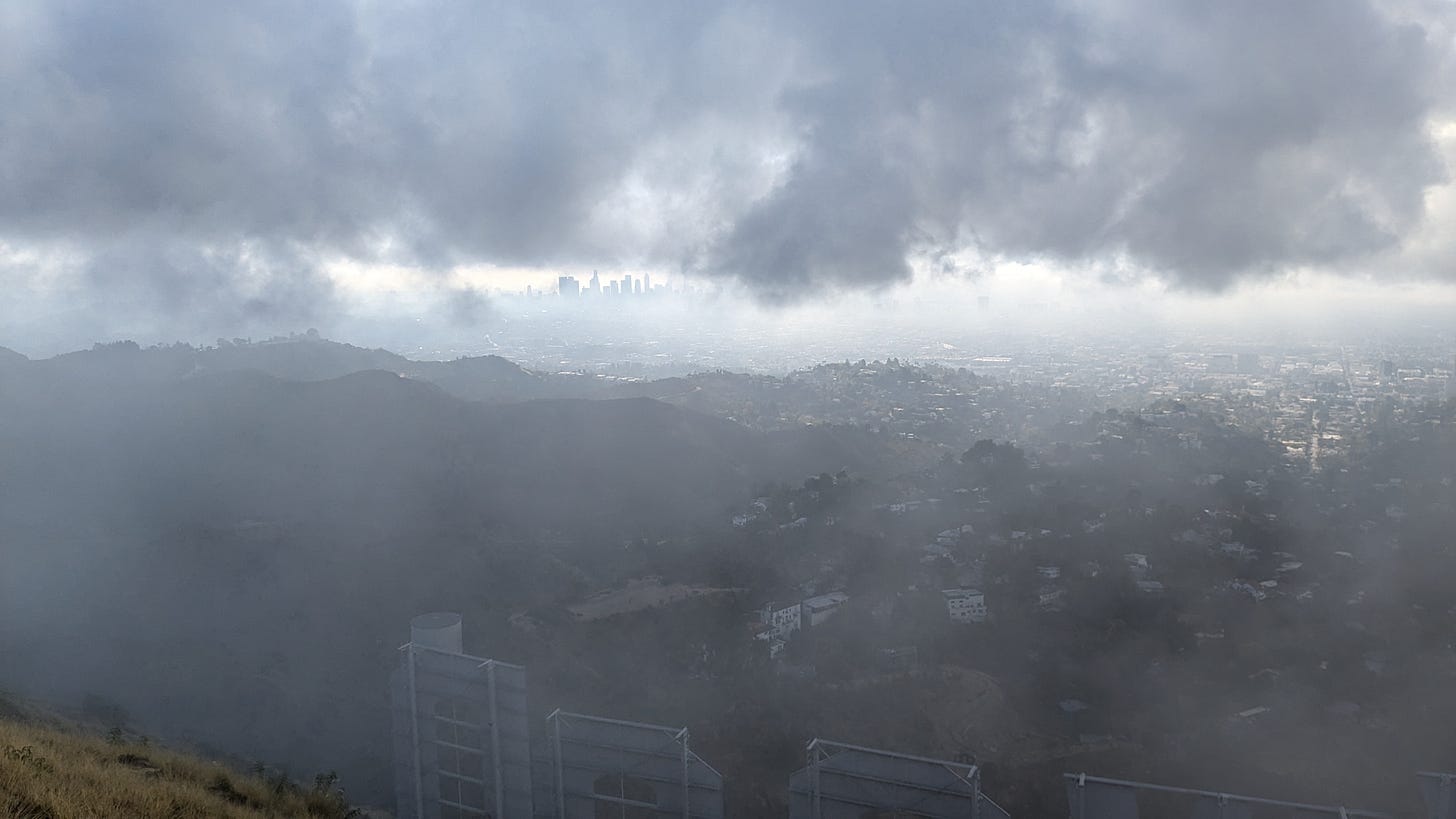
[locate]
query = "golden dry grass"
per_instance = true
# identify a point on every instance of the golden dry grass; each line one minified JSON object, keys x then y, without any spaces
{"x":51,"y":774}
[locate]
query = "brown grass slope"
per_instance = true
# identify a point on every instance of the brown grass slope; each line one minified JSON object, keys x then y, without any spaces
{"x":50,"y":774}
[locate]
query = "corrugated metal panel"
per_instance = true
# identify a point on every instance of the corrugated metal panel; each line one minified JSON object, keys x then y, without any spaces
{"x":460,"y":735}
{"x":1438,"y":790}
{"x":1101,"y":800}
{"x":1210,"y":807}
{"x":645,"y":770}
{"x":1091,"y":797}
{"x":845,"y":781}
{"x":991,"y":810}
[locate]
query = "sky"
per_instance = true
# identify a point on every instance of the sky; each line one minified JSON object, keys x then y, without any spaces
{"x":211,"y":169}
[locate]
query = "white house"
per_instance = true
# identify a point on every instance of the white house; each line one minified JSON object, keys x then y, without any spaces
{"x":935,"y":551}
{"x":782,"y":619}
{"x":821,"y":608}
{"x":965,"y":605}
{"x":1152,"y":588}
{"x":1137,"y":565}
{"x":1050,"y":597}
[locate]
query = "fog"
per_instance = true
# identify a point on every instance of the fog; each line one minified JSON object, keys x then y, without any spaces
{"x":220,"y":544}
{"x":1097,"y":359}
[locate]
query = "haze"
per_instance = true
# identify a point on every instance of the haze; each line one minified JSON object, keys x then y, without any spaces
{"x":1044,"y":387}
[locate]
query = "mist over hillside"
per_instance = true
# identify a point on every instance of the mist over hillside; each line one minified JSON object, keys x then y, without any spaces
{"x":223,"y":542}
{"x":226,"y":552}
{"x":1053,"y":401}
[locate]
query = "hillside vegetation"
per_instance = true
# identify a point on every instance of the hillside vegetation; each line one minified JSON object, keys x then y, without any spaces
{"x":233,"y":556}
{"x":46,"y":773}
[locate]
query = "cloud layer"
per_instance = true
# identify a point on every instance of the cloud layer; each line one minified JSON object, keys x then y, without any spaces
{"x":213,"y":157}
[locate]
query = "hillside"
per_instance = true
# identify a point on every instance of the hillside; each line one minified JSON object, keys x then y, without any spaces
{"x":376,"y":448}
{"x":49,"y":773}
{"x":300,"y":358}
{"x":231,"y":555}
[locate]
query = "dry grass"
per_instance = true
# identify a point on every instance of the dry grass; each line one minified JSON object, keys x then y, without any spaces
{"x":50,"y":774}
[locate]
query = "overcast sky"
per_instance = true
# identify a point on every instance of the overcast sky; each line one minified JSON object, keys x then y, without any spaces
{"x":221,"y":164}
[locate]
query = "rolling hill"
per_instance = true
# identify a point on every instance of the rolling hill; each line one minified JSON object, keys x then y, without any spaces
{"x":49,"y":772}
{"x":232,"y":554}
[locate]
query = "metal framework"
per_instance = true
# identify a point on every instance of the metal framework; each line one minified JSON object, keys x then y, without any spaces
{"x":1093,"y":797}
{"x":461,"y":736}
{"x":1438,"y":790}
{"x":632,"y":769}
{"x":845,"y":781}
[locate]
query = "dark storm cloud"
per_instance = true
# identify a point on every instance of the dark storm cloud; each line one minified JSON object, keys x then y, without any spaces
{"x":1197,"y":141}
{"x":208,"y":156}
{"x":199,"y":288}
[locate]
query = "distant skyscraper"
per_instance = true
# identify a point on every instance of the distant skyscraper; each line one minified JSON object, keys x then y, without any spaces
{"x":568,"y":286}
{"x":596,"y":283}
{"x":647,"y":282}
{"x":614,"y":288}
{"x":627,"y":285}
{"x":637,"y":287}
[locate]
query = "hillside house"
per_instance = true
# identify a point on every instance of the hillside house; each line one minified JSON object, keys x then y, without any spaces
{"x":782,"y":619}
{"x":965,"y":605}
{"x":818,"y":609}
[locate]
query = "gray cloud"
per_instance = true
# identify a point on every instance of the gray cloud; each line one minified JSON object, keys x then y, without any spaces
{"x":206,"y":157}
{"x":1199,"y":142}
{"x":466,"y":307}
{"x":234,"y":285}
